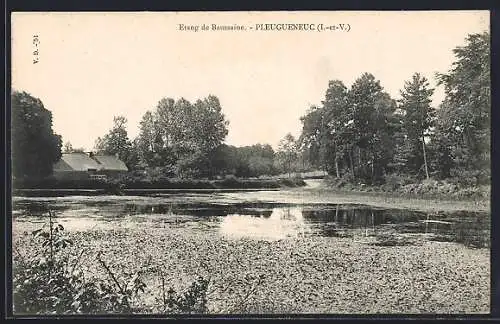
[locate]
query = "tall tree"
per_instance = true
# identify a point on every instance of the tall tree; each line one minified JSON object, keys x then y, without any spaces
{"x":370,"y":113}
{"x":323,"y":134}
{"x":442,"y":145}
{"x":418,"y":118}
{"x":148,"y":143}
{"x":310,"y":137}
{"x":288,"y":152}
{"x":334,"y":138}
{"x":353,"y":130}
{"x":466,"y":108}
{"x":182,"y":135}
{"x":35,"y":146}
{"x":68,"y":148}
{"x":213,"y":124}
{"x":116,"y":142}
{"x":387,"y":124}
{"x":168,"y":129}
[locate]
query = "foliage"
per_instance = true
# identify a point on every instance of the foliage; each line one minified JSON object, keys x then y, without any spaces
{"x":417,"y":119}
{"x":182,"y":134}
{"x":353,"y":133}
{"x":307,"y":275}
{"x":35,"y":147}
{"x":116,"y":142}
{"x":52,"y":183}
{"x":50,"y":282}
{"x":372,"y":114}
{"x":363,"y":133}
{"x":359,"y":134}
{"x":49,"y":278}
{"x":312,"y":136}
{"x":465,"y":116}
{"x":68,"y":148}
{"x":287,"y":153}
{"x":292,"y":182}
{"x":191,"y":301}
{"x":246,"y":161}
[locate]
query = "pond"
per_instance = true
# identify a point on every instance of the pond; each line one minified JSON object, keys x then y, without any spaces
{"x":315,"y":253}
{"x":235,"y":218}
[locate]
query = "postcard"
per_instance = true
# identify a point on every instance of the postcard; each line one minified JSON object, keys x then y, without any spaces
{"x":239,"y":163}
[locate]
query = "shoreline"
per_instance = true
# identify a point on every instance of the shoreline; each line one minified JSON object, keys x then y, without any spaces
{"x":303,"y":196}
{"x":399,"y":201}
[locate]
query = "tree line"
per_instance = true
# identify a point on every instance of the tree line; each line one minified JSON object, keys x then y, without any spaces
{"x":358,"y":133}
{"x":186,"y":140}
{"x":363,"y":134}
{"x":176,"y":139}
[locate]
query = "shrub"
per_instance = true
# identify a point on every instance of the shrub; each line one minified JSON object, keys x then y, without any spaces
{"x":229,"y":181}
{"x":193,"y":300}
{"x":467,"y":178}
{"x":292,"y":182}
{"x":49,"y":283}
{"x":396,"y":181}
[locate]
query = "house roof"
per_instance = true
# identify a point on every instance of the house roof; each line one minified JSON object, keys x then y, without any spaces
{"x":110,"y":162}
{"x":76,"y":162}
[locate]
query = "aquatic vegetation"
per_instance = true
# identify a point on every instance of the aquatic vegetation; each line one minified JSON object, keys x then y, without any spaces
{"x":298,"y":274}
{"x":240,"y":253}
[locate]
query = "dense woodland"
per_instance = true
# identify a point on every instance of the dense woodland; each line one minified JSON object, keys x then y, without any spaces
{"x":359,"y":134}
{"x":362,"y":133}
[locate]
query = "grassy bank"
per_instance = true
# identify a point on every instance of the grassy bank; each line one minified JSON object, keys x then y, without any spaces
{"x":425,"y":189}
{"x":115,"y":185}
{"x":227,"y":183}
{"x":295,"y":275}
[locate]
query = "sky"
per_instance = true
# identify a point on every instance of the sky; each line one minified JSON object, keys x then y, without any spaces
{"x":93,"y":66}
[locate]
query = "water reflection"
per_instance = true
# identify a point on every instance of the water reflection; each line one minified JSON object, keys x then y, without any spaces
{"x":280,"y":223}
{"x":269,"y":221}
{"x":471,"y":229}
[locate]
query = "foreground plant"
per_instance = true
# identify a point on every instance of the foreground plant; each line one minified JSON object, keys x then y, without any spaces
{"x":49,"y":281}
{"x":193,"y":300}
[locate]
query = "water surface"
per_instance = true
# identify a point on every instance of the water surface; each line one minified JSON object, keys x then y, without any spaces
{"x":260,"y":220}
